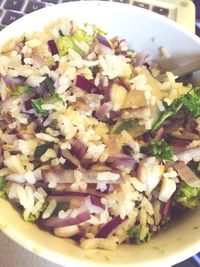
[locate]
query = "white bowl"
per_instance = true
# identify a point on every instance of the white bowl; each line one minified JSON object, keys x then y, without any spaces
{"x":144,"y":30}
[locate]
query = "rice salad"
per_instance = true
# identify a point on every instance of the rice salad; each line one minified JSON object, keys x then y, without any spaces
{"x":93,"y":146}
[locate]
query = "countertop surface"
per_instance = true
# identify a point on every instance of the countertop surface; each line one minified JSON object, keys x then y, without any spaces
{"x":13,"y":255}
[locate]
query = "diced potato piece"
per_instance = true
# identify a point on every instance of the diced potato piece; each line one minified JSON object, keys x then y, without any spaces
{"x":150,"y":172}
{"x":168,"y":187}
{"x":156,"y":91}
{"x":118,"y":96}
{"x":134,"y":99}
{"x":14,"y":164}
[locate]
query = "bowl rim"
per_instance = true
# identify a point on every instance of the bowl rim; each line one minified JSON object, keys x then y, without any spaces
{"x":53,"y":257}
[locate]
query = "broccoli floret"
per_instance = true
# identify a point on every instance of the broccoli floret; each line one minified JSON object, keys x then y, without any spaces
{"x":140,"y":234}
{"x":2,"y":187}
{"x":81,"y":35}
{"x":159,"y":149}
{"x":187,"y":196}
{"x":66,"y":42}
{"x":33,"y":217}
{"x":191,"y":102}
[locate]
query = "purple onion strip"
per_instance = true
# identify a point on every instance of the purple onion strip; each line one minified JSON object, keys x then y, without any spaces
{"x":67,"y":221}
{"x":86,"y":84}
{"x":110,"y":226}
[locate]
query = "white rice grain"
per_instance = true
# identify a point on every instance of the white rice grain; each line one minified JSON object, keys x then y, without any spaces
{"x":37,"y":207}
{"x":50,"y":209}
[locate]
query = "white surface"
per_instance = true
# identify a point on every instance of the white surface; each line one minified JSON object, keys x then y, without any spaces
{"x":13,"y":255}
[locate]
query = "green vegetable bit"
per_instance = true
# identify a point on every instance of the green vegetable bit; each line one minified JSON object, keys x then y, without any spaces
{"x":21,"y":89}
{"x":187,"y":196}
{"x":159,"y":149}
{"x":60,"y":206}
{"x":126,"y":125}
{"x":191,"y":102}
{"x":37,"y":105}
{"x":52,"y":90}
{"x":40,"y":150}
{"x":3,"y":187}
{"x":48,"y":82}
{"x":82,"y":35}
{"x":169,"y":111}
{"x":140,"y":234}
{"x":33,"y":217}
{"x":65,"y":43}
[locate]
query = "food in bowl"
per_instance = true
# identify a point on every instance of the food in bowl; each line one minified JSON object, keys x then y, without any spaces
{"x":93,"y":146}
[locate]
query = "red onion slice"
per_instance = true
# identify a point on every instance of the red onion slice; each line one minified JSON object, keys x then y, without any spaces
{"x":188,"y":154}
{"x":53,"y":222}
{"x":86,"y":85}
{"x":101,"y":113}
{"x":52,"y":47}
{"x":167,"y":208}
{"x":94,"y":205}
{"x":55,"y":66}
{"x":110,"y":227}
{"x":71,"y":161}
{"x":122,"y":162}
{"x":41,"y":90}
{"x":54,"y":51}
{"x":186,"y":174}
{"x":102,"y":40}
{"x":159,"y":135}
{"x":78,"y":148}
{"x":177,"y":141}
{"x":8,"y":80}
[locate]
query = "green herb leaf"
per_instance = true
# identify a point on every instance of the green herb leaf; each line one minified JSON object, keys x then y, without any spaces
{"x":126,"y":125}
{"x":60,"y":206}
{"x":40,"y":150}
{"x":21,"y":89}
{"x":36,"y":104}
{"x":135,"y":234}
{"x":187,"y":196}
{"x":169,"y":111}
{"x":159,"y":149}
{"x":49,"y":84}
{"x":191,"y":102}
{"x":3,"y":187}
{"x":52,"y":90}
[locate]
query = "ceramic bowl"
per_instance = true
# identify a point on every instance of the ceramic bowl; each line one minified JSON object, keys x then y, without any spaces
{"x":144,"y":30}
